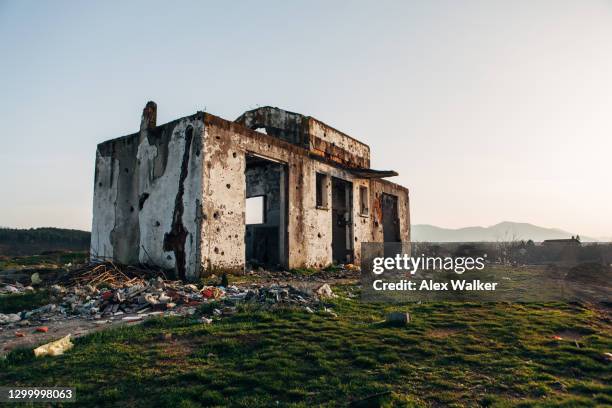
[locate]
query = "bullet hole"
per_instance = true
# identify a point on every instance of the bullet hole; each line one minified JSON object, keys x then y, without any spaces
{"x":319,"y":235}
{"x":355,"y":239}
{"x":234,"y":155}
{"x":236,"y":236}
{"x":99,"y":184}
{"x":216,"y":215}
{"x":169,"y":258}
{"x":157,"y":223}
{"x":198,"y":152}
{"x":376,"y":223}
{"x":126,"y":170}
{"x":142,"y":199}
{"x":222,"y":253}
{"x":217,"y":137}
{"x":218,"y":229}
{"x":131,"y":208}
{"x":204,"y":217}
{"x":228,"y":185}
{"x":216,"y":250}
{"x":229,"y":237}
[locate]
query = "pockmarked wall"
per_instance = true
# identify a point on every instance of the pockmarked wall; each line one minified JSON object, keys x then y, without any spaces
{"x":174,"y":195}
{"x":147,"y":197}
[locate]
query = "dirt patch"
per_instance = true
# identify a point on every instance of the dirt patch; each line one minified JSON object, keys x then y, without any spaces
{"x":442,"y":333}
{"x":11,"y":338}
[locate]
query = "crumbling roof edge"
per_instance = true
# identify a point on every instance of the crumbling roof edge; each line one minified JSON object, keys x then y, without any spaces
{"x":205,"y":117}
{"x":198,"y":114}
{"x":339,"y":131}
{"x":210,"y":119}
{"x":307,"y":117}
{"x":392,"y":184}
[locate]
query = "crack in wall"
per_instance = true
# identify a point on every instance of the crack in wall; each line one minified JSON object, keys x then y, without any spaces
{"x":175,"y":239}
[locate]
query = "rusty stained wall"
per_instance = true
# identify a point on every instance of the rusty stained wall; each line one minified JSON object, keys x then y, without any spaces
{"x":147,"y":196}
{"x":321,"y":139}
{"x":309,"y":228}
{"x":377,"y":188}
{"x":176,"y":199}
{"x":223,"y":219}
{"x":337,"y":146}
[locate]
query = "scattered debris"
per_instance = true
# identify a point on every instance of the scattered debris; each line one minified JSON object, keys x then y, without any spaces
{"x":9,"y":318}
{"x":330,"y":312}
{"x":107,"y":273}
{"x":212,"y":292}
{"x":55,"y":348}
{"x":398,"y":318}
{"x":105,"y":293}
{"x":42,"y":329}
{"x":325,"y":292}
{"x":351,"y":267}
{"x":35,"y":279}
{"x":12,"y":289}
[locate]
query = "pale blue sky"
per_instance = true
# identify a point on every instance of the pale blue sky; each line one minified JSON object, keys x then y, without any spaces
{"x":489,"y":110}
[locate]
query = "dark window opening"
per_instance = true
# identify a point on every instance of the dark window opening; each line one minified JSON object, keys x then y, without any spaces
{"x":363,"y":201}
{"x":321,"y":190}
{"x":342,"y":221}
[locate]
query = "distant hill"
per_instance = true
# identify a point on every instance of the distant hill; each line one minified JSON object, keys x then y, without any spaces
{"x":35,"y":241}
{"x":504,"y":231}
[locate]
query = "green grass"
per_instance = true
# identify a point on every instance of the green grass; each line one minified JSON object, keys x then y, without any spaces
{"x":304,"y":271}
{"x":55,"y":259}
{"x":26,"y":301}
{"x":451,"y":354}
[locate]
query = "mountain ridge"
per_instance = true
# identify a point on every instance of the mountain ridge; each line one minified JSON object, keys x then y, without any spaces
{"x":503,"y":231}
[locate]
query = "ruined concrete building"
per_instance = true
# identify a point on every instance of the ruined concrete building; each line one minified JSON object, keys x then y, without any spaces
{"x":203,"y":194}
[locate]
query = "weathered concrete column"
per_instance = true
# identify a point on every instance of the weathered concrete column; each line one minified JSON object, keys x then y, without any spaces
{"x":149,"y":116}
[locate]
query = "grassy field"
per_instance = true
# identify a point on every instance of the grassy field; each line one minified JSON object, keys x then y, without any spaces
{"x":451,"y":354}
{"x":27,"y":301}
{"x":50,"y":260}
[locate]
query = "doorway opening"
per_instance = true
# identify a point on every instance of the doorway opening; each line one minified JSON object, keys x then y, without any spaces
{"x":342,"y":221}
{"x":265,"y":213}
{"x":390,"y":218}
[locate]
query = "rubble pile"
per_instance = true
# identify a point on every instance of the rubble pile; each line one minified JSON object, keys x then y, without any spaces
{"x":109,"y":274}
{"x":15,"y":288}
{"x":104,"y":293}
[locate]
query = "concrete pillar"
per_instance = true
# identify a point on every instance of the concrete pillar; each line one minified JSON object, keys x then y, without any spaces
{"x":149,"y":116}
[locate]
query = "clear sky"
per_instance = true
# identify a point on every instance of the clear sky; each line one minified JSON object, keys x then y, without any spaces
{"x":489,"y":110}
